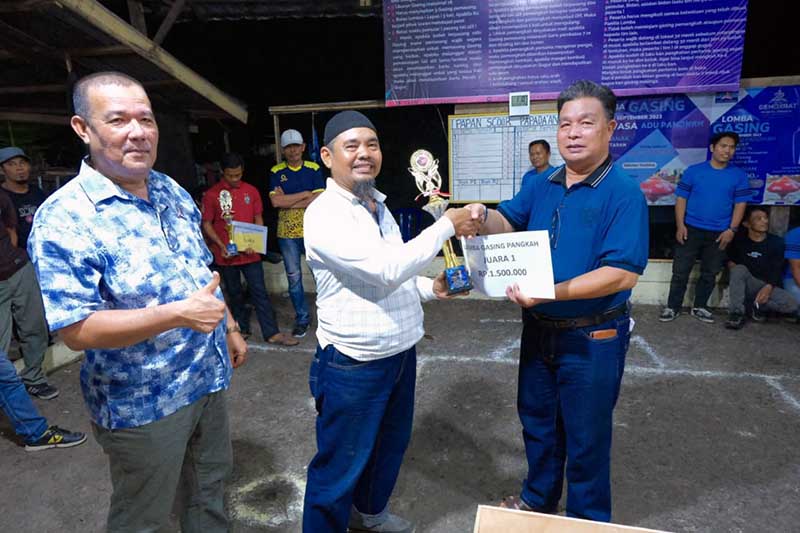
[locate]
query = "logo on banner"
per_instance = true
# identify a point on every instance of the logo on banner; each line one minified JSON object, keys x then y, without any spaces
{"x":778,"y":104}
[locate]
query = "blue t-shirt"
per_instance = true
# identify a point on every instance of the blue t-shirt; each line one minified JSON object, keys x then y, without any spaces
{"x":711,"y":194}
{"x":792,"y":251}
{"x":533,"y":172}
{"x":601,"y":221}
{"x":307,"y":177}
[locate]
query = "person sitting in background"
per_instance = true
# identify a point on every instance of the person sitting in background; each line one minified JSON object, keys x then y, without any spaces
{"x":28,"y":423}
{"x":791,"y":274}
{"x":755,"y":260}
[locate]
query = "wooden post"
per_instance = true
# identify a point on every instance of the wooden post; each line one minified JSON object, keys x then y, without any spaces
{"x":276,"y":124}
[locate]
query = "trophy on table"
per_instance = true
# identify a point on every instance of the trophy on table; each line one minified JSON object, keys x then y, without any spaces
{"x":226,"y":204}
{"x":425,"y":170}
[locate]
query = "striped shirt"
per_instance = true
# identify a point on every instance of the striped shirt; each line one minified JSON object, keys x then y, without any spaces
{"x":97,"y":247}
{"x":368,"y":292}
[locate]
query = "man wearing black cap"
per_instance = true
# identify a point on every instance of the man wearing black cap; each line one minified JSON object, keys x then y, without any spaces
{"x":26,"y":197}
{"x":20,"y":297}
{"x":370,"y":319}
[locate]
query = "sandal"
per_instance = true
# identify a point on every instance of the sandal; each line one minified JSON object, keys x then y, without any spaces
{"x":282,"y":339}
{"x":513,"y":502}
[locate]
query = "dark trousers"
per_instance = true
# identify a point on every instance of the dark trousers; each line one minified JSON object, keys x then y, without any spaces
{"x":567,"y":389}
{"x":254,"y":275}
{"x":190,"y":449}
{"x":364,"y":416}
{"x":700,"y":244}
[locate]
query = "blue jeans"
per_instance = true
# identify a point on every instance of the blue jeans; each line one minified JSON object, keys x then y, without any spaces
{"x":292,"y":249}
{"x":568,"y":387}
{"x":17,"y":405}
{"x":254,"y":275}
{"x":790,"y":286}
{"x":364,"y":416}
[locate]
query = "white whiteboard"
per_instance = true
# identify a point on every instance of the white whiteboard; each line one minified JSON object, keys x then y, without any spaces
{"x":489,"y":153}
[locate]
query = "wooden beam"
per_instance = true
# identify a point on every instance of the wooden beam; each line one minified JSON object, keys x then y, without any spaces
{"x":100,"y":51}
{"x":769,"y":82}
{"x":168,"y":21}
{"x":136,"y":12}
{"x":105,"y":20}
{"x":22,"y":5}
{"x":331,"y":106}
{"x":36,"y":118}
{"x":34,"y":89}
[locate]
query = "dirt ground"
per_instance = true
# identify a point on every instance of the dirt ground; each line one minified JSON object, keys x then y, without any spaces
{"x":705,"y":435}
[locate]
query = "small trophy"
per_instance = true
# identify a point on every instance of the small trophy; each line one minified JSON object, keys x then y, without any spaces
{"x":425,"y":170}
{"x":226,"y":204}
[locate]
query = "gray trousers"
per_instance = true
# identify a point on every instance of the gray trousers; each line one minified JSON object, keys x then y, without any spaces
{"x":187,"y":453}
{"x":744,"y":287}
{"x":21,"y":304}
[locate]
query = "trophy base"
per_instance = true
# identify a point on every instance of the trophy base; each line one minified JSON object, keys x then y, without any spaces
{"x":231,"y":250}
{"x":457,"y":279}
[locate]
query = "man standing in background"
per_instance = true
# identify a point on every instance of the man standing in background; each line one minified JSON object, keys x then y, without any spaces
{"x":710,"y":201}
{"x":26,"y":197}
{"x":293,"y":185}
{"x":247,"y":207}
{"x":539,"y":154}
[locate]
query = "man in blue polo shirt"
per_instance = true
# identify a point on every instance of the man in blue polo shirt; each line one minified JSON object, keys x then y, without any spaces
{"x":791,"y":274}
{"x":710,"y":201}
{"x":572,"y":352}
{"x":293,"y":185}
{"x":539,"y":154}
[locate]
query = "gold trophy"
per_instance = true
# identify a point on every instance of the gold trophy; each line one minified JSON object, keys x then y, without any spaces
{"x":425,"y":170}
{"x":226,"y":204}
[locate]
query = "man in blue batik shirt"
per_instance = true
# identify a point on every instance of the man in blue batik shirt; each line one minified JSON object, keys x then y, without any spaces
{"x":572,"y":352}
{"x":123,"y":271}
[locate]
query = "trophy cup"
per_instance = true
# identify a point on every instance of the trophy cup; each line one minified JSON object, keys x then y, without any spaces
{"x":425,"y":170}
{"x":226,"y":204}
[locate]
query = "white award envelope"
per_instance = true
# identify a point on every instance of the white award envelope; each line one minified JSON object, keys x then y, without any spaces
{"x":497,"y":261}
{"x":250,"y":236}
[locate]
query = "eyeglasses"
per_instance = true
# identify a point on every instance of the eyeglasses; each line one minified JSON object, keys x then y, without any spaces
{"x":555,"y":228}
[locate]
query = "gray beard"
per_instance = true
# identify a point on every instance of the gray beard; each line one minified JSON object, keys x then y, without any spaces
{"x":362,"y":189}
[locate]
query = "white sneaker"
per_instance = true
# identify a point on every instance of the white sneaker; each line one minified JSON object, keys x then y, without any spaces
{"x":702,"y":314}
{"x":668,"y":315}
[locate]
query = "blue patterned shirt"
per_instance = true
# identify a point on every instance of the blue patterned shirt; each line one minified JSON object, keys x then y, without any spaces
{"x":97,"y":247}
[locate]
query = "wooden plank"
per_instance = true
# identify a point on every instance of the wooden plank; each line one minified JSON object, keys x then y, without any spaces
{"x":33,"y":89}
{"x":331,"y":106}
{"x":168,"y":21}
{"x":100,"y":51}
{"x":136,"y":12}
{"x":498,"y":520}
{"x":22,"y":5}
{"x":276,"y":128}
{"x":105,"y":20}
{"x":35,"y":118}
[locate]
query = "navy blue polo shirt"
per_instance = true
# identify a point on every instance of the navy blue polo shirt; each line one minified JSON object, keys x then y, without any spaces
{"x":601,"y":221}
{"x":533,"y":172}
{"x":711,"y":194}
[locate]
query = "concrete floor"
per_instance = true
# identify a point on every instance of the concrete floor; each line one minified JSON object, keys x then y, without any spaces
{"x":706,"y":432}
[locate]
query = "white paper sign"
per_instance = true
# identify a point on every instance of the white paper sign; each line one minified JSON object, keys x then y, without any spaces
{"x":250,"y":236}
{"x":497,"y":261}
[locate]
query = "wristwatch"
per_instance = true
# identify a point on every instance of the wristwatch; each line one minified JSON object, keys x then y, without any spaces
{"x":733,"y":229}
{"x":231,"y":329}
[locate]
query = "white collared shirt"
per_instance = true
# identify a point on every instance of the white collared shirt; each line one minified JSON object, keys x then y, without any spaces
{"x":368,"y":292}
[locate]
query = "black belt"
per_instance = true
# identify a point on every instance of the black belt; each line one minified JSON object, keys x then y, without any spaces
{"x":552,"y":322}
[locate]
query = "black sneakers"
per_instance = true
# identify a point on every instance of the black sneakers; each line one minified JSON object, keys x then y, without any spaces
{"x":735,"y":321}
{"x":55,"y":437}
{"x":43,"y":391}
{"x":757,"y":314}
{"x":299,"y":330}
